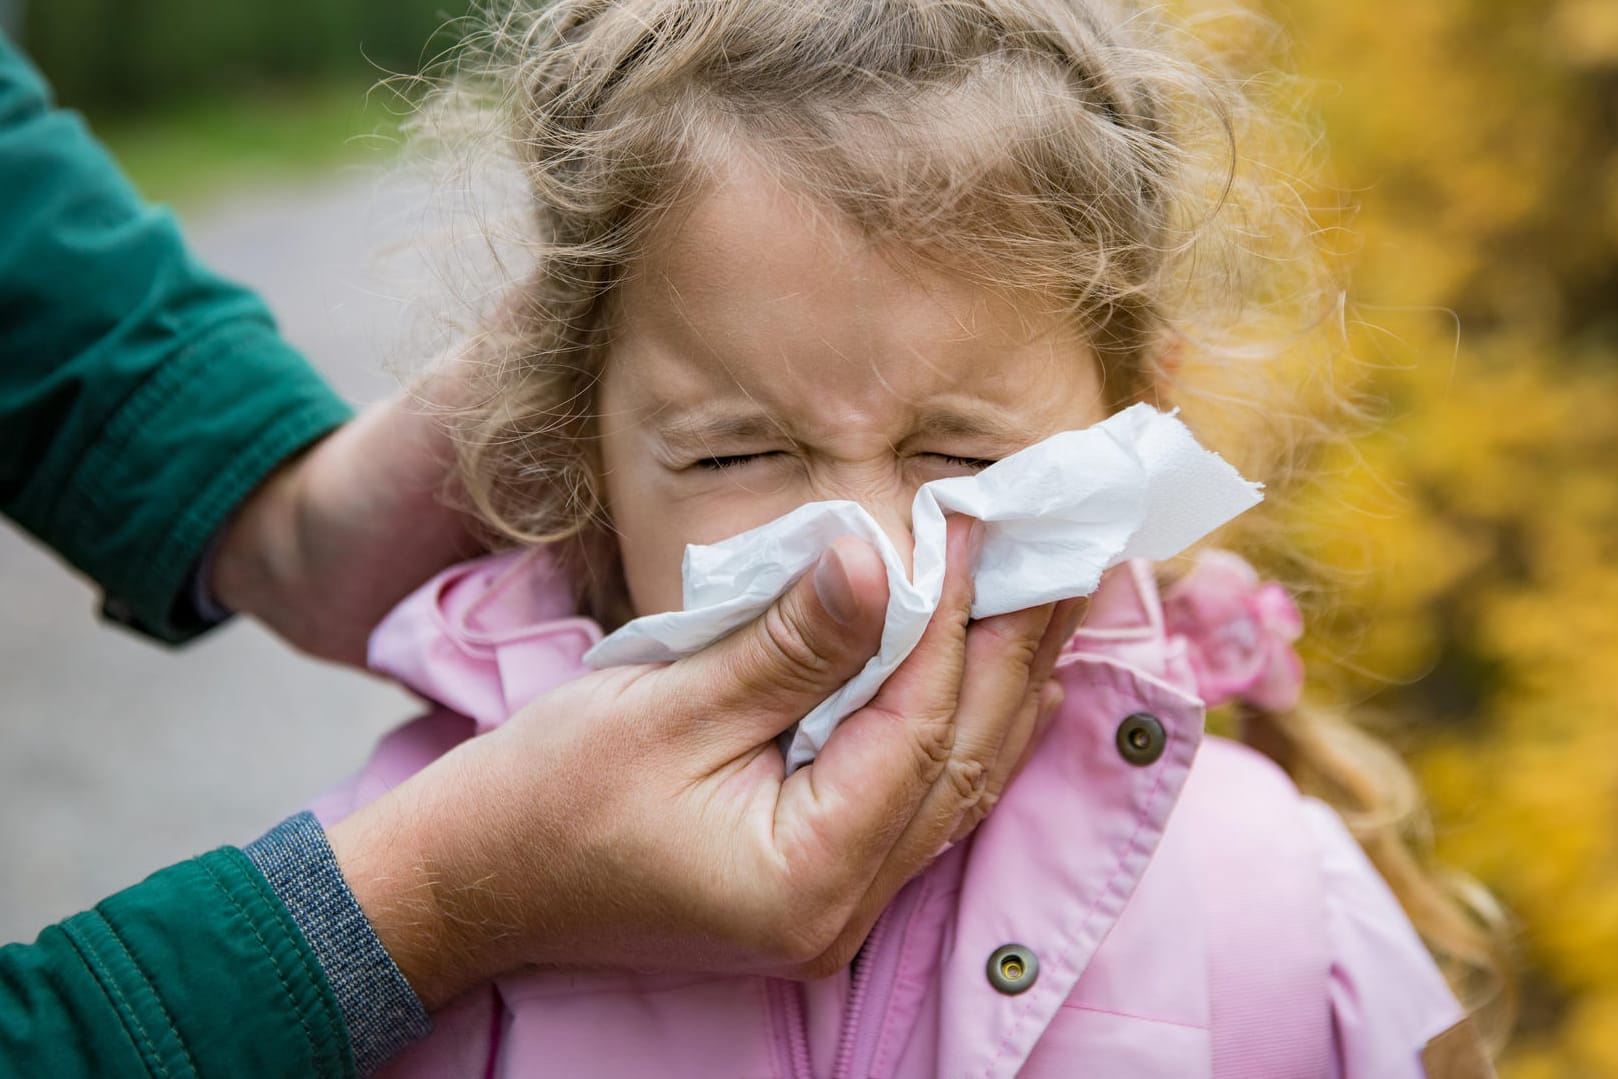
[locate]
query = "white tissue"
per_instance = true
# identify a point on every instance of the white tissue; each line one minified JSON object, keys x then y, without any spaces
{"x":1056,"y":515}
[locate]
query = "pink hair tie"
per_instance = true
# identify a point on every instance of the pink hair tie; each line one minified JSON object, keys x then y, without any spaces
{"x":1239,"y":633}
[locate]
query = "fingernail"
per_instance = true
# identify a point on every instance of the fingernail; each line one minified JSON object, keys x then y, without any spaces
{"x":833,"y":587}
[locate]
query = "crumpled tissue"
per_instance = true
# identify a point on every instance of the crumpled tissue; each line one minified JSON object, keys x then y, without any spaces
{"x":1056,"y":515}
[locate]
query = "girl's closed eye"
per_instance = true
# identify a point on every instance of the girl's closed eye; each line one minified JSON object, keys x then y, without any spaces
{"x":976,"y":464}
{"x":729,"y":461}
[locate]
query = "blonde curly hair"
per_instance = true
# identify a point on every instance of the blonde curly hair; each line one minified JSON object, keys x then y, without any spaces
{"x":1090,"y":151}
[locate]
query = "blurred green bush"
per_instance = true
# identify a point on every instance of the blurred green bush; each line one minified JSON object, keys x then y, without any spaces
{"x":124,"y":55}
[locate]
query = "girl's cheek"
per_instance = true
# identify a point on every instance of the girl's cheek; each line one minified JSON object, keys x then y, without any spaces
{"x":654,"y":532}
{"x":731,"y":509}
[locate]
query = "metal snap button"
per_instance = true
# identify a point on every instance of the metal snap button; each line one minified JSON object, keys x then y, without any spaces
{"x":1013,"y":968}
{"x":1141,"y":739}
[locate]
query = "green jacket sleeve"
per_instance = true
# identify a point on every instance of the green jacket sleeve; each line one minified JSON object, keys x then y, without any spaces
{"x":198,"y":971}
{"x":141,"y":397}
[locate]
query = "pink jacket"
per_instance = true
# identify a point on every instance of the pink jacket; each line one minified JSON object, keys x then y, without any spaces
{"x":1190,"y":915}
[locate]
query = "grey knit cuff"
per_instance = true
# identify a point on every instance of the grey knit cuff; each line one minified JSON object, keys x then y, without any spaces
{"x":381,"y":1011}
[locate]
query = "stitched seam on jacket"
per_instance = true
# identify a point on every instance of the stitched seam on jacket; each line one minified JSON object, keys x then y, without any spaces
{"x":266,"y":448}
{"x":297,"y":428}
{"x":87,"y":483}
{"x":227,"y":488}
{"x":878,"y":1056}
{"x":289,"y":427}
{"x":185,"y":1050}
{"x":313,"y":971}
{"x":1204,"y":1027}
{"x":311,"y":964}
{"x":280,"y":974}
{"x":121,"y":1005}
{"x":145,"y":399}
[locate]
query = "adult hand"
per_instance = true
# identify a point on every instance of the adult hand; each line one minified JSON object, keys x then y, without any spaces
{"x":337,"y":536}
{"x":641,"y":816}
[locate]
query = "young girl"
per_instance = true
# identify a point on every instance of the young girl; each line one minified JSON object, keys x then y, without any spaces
{"x":786,"y":251}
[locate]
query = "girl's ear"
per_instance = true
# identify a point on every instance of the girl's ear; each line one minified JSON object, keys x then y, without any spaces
{"x":1161,"y":371}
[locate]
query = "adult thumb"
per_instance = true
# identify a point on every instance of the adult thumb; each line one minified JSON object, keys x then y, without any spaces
{"x":816,"y":636}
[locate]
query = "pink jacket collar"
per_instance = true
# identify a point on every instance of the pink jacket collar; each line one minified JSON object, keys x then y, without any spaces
{"x":485,"y":637}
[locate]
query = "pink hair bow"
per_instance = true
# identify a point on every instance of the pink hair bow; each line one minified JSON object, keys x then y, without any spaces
{"x":1239,"y":633}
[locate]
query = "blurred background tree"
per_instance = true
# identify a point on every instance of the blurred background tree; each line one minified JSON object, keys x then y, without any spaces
{"x":109,"y":56}
{"x":1475,"y":526}
{"x":197,"y":97}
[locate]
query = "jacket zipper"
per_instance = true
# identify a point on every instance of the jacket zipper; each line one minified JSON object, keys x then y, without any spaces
{"x":797,"y":1030}
{"x":793,"y":996}
{"x":856,"y":994}
{"x":874,"y":979}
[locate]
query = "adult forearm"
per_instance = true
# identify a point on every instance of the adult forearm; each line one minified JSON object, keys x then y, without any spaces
{"x":200,"y":970}
{"x":141,"y":397}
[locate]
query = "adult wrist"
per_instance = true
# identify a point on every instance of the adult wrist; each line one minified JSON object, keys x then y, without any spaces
{"x":380,"y":1009}
{"x":253,"y":555}
{"x":406,"y":862}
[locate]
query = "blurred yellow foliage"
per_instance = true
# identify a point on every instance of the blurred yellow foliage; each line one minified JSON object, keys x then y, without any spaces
{"x":1476,"y":529}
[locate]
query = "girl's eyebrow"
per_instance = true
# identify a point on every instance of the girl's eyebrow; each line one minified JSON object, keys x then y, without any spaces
{"x":697,"y":430}
{"x":971,"y":422}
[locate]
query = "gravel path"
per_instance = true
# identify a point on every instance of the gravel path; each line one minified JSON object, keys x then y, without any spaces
{"x":118,"y":757}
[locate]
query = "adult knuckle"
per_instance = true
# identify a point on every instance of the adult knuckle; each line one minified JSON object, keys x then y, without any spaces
{"x":934,"y":735}
{"x":805,"y":661}
{"x":1015,"y":639}
{"x":956,"y":616}
{"x":968,"y":779}
{"x":931,"y":733}
{"x":980,"y":809}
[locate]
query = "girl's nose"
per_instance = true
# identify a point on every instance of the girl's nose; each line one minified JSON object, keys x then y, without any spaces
{"x":880,"y":487}
{"x":892,"y":515}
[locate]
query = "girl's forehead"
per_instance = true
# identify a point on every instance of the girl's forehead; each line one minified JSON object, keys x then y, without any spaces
{"x":759,"y":290}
